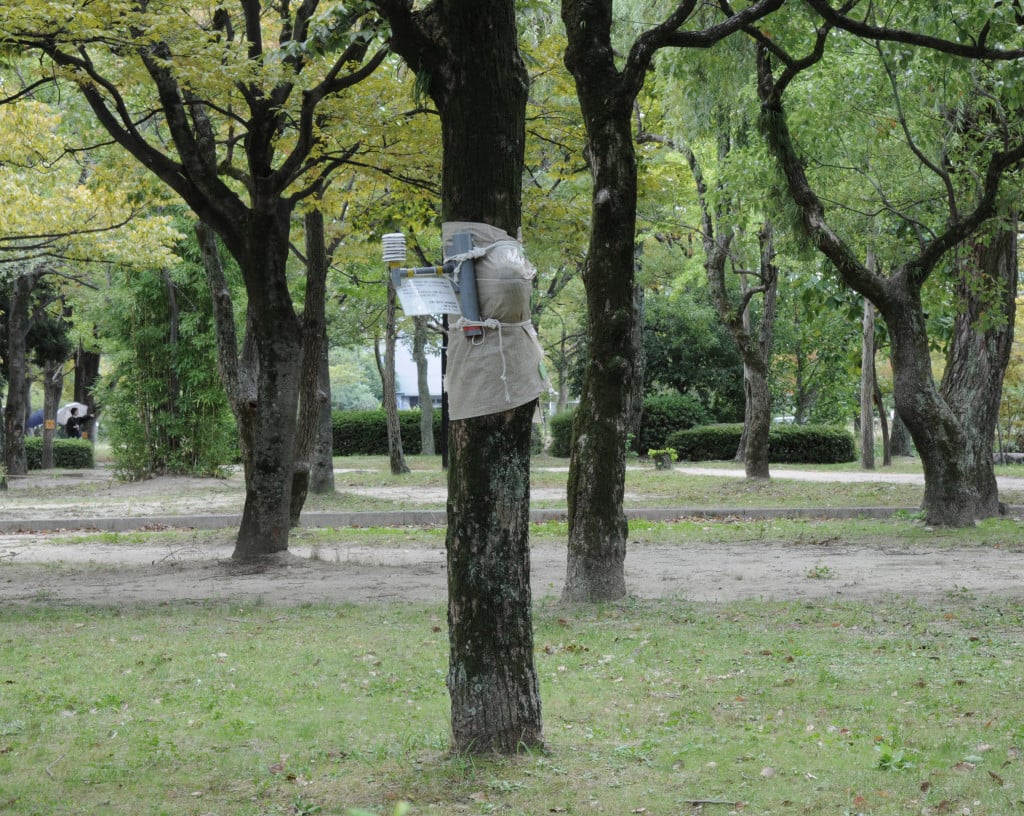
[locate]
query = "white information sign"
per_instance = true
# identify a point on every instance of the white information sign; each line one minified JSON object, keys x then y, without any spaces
{"x":428,"y":294}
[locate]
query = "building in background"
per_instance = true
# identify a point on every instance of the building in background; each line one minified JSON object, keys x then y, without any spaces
{"x":406,"y":389}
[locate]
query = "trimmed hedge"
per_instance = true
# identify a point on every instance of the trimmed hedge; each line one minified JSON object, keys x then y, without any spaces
{"x":365,"y":433}
{"x":665,"y":414}
{"x":71,"y":454}
{"x":787,"y":444}
{"x":560,"y":427}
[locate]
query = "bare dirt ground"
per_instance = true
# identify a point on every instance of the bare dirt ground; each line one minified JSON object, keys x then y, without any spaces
{"x":58,"y":568}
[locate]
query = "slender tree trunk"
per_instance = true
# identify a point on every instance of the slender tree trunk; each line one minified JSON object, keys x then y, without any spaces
{"x":15,"y":412}
{"x":312,"y":397}
{"x":883,"y":421}
{"x":386,"y":369}
{"x":53,"y":385}
{"x":759,"y":422}
{"x":867,"y":387}
{"x":757,"y":361}
{"x":419,"y":354}
{"x":321,"y":481}
{"x":87,"y":375}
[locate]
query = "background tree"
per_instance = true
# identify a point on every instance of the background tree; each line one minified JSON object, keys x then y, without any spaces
{"x":706,"y":112}
{"x":950,"y":450}
{"x":64,"y":215}
{"x":164,"y":406}
{"x":245,"y":189}
{"x":607,"y":93}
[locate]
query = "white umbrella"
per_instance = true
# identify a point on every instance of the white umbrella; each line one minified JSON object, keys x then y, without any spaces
{"x":65,"y":412}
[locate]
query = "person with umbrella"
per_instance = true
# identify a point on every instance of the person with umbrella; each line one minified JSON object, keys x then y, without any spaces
{"x":74,"y":423}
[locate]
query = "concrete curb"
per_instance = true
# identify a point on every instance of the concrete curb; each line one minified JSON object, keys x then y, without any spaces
{"x":436,"y":518}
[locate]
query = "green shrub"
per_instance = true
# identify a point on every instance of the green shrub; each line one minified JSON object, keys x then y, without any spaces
{"x":71,"y":454}
{"x":787,"y":444}
{"x":665,"y":414}
{"x":706,"y":443}
{"x":365,"y":433}
{"x":811,"y":444}
{"x":560,"y":426}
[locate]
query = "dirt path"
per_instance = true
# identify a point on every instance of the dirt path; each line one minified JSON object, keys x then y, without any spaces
{"x":51,"y":569}
{"x":51,"y":574}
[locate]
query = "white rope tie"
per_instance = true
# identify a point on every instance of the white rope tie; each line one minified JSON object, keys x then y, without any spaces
{"x":462,"y":257}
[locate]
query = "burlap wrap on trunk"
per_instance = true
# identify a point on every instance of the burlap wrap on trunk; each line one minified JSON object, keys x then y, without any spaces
{"x":502,"y":368}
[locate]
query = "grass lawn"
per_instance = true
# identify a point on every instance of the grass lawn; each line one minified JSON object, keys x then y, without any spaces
{"x":659,"y":708}
{"x":649,"y":708}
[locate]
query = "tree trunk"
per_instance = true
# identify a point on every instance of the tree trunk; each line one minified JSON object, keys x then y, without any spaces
{"x":758,"y":360}
{"x":468,"y":49}
{"x":597,"y":523}
{"x":266,"y":514}
{"x":87,"y":375}
{"x":53,"y":385}
{"x":262,"y":381}
{"x":419,"y":354}
{"x":493,"y":685}
{"x":950,"y":497}
{"x":883,"y":420}
{"x":312,"y":397}
{"x":901,"y":442}
{"x":386,"y":369}
{"x":979,"y":353}
{"x":238,"y":367}
{"x":321,"y":480}
{"x":867,"y":387}
{"x":16,"y":410}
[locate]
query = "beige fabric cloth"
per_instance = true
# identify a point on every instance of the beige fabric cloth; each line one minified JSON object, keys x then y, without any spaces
{"x":503,"y":368}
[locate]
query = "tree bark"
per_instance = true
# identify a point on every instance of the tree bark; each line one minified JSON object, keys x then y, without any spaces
{"x":980,"y":351}
{"x":16,"y":410}
{"x":597,"y":467}
{"x":321,"y":481}
{"x":867,"y":388}
{"x":386,"y":369}
{"x":53,"y":385}
{"x":277,"y":334}
{"x":312,"y":397}
{"x":493,"y":685}
{"x":419,"y":354}
{"x":87,"y":375}
{"x":468,"y":51}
